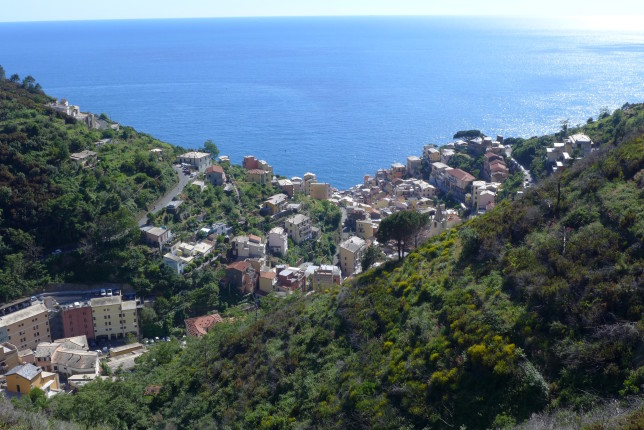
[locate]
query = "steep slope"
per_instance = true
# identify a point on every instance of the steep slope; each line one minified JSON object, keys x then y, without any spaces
{"x":536,"y":304}
{"x":48,"y":202}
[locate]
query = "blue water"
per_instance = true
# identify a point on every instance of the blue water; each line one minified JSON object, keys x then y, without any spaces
{"x":340,"y":97}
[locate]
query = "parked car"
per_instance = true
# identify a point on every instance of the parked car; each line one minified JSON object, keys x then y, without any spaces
{"x":109,"y":292}
{"x":103,"y":292}
{"x":34,"y":298}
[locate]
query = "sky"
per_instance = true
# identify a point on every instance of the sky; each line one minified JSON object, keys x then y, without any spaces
{"x":597,"y":11}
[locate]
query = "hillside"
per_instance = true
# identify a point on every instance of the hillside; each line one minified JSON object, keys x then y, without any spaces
{"x":47,"y":201}
{"x":535,"y":306}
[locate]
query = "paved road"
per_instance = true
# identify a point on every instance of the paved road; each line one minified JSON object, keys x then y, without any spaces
{"x":167,"y":197}
{"x":527,"y":176}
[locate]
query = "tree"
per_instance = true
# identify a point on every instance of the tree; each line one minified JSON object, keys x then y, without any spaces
{"x":15,"y":78}
{"x":209,"y":146}
{"x":401,"y":227}
{"x":28,"y":82}
{"x":2,"y":74}
{"x":371,"y":255}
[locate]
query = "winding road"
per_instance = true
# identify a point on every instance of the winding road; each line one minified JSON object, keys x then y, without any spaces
{"x":167,"y":197}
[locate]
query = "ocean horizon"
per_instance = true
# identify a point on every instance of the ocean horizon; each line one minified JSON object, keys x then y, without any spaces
{"x":337,"y":96}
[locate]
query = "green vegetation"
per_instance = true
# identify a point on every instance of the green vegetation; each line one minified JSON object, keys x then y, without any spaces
{"x":468,"y":134}
{"x":535,"y":306}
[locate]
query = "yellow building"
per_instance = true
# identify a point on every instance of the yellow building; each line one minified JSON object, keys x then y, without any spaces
{"x":320,"y":191}
{"x":26,"y":328}
{"x":351,"y":252}
{"x":9,"y":357}
{"x":258,"y":176}
{"x":364,"y":228}
{"x":22,"y":378}
{"x":114,"y":318}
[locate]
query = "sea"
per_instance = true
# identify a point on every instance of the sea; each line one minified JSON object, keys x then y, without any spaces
{"x":336,"y":96}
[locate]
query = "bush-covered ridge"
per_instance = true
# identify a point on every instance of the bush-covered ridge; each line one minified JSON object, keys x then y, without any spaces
{"x":535,"y":305}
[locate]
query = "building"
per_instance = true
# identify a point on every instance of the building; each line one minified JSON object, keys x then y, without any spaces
{"x":431,"y":154}
{"x":581,"y":142}
{"x":308,"y":179}
{"x":215,"y":174}
{"x":24,"y":377}
{"x":298,"y":228}
{"x":242,"y":276}
{"x":320,"y":190}
{"x":398,"y":170}
{"x":263,"y":165}
{"x":258,"y":176}
{"x":68,"y":357}
{"x":9,"y":357}
{"x":114,"y":318}
{"x":85,"y":159}
{"x":156,"y":236}
{"x":459,"y":181}
{"x":177,"y":263}
{"x":276,"y":203}
{"x":286,"y":186}
{"x":278,"y":241}
{"x":199,"y":161}
{"x":250,"y":162}
{"x":413,"y":165}
{"x":267,"y":281}
{"x":323,"y":276}
{"x":26,"y":328}
{"x":77,"y":320}
{"x":250,"y":246}
{"x":365,"y":228}
{"x":290,"y":279}
{"x":199,"y":326}
{"x":351,"y":252}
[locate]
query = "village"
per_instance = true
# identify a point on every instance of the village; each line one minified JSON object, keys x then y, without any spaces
{"x":60,"y":342}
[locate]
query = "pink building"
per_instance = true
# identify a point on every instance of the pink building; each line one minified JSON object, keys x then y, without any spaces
{"x":250,"y":162}
{"x":77,"y":320}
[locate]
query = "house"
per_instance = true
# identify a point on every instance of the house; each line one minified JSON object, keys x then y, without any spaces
{"x":323,"y":276}
{"x":77,"y":320}
{"x":298,"y":228}
{"x":581,"y":142}
{"x":276,"y":203}
{"x":286,"y":186}
{"x":267,"y":281}
{"x":85,"y":158}
{"x":26,"y":328}
{"x":278,"y":241}
{"x":114,"y":318}
{"x":351,"y":252}
{"x":220,"y":228}
{"x":176,"y":262}
{"x":413,"y":165}
{"x":397,"y":170}
{"x":199,"y":326}
{"x":174,"y":207}
{"x":263,"y":165}
{"x":9,"y":357}
{"x":459,"y":181}
{"x":68,"y":357}
{"x":250,"y":162}
{"x":24,"y":377}
{"x":446,"y":155}
{"x":290,"y":279}
{"x":215,"y":174}
{"x":224,"y":160}
{"x":298,"y":184}
{"x":438,"y":175}
{"x":308,"y":179}
{"x":199,"y":161}
{"x":431,"y":154}
{"x":250,"y":246}
{"x":365,"y":228}
{"x":156,"y":236}
{"x":494,"y":167}
{"x":199,"y":184}
{"x":242,"y":276}
{"x":320,"y":190}
{"x":258,"y":176}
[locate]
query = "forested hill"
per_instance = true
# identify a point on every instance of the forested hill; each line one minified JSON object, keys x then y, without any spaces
{"x":47,"y":201}
{"x":536,"y":305}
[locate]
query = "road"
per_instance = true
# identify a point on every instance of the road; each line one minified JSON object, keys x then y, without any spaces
{"x":167,"y":197}
{"x":527,"y":176}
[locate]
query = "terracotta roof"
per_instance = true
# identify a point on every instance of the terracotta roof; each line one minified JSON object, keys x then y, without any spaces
{"x":461,"y":174}
{"x":238,"y":265}
{"x":253,"y":238}
{"x":199,"y":326}
{"x":267,"y":275}
{"x":491,"y":154}
{"x":215,"y":168}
